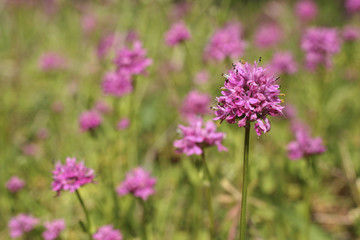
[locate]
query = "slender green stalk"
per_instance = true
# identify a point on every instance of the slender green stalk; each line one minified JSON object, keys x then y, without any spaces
{"x":144,"y":220}
{"x":133,"y":125}
{"x":207,"y":186}
{"x":245,"y":181}
{"x":88,"y":223}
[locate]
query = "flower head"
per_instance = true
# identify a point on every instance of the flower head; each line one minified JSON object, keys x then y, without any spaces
{"x":51,"y":61}
{"x":117,"y":84}
{"x":107,"y":232}
{"x":195,"y":104}
{"x":249,"y":95}
{"x":53,"y":229}
{"x":21,"y":224}
{"x":319,"y":45}
{"x":15,"y":184}
{"x":351,"y":34}
{"x":352,"y":6}
{"x":178,"y":33}
{"x":123,"y":123}
{"x":102,"y":107}
{"x":71,"y":176}
{"x":268,"y":35}
{"x":226,"y":42}
{"x":139,"y":183}
{"x":198,"y":136}
{"x":132,"y":61}
{"x":202,"y":77}
{"x":89,"y":120}
{"x":306,"y":10}
{"x":283,"y":63}
{"x":105,"y":44}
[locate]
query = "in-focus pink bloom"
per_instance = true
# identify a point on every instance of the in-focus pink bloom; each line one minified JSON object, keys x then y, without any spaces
{"x":132,"y":61}
{"x":139,"y":183}
{"x":178,"y":33}
{"x":268,"y":35}
{"x":352,"y":6}
{"x":283,"y":63}
{"x":123,"y":124}
{"x":15,"y":184}
{"x":102,"y":107}
{"x":351,"y":34}
{"x":202,"y":77}
{"x":306,"y":10}
{"x":21,"y":224}
{"x":30,"y":149}
{"x":197,"y":136}
{"x":89,"y":120}
{"x":71,"y":176}
{"x":226,"y":43}
{"x":195,"y":104}
{"x":249,"y":94}
{"x":319,"y":45}
{"x":51,"y":61}
{"x":107,"y":232}
{"x":53,"y":229}
{"x":304,"y":145}
{"x":117,"y":84}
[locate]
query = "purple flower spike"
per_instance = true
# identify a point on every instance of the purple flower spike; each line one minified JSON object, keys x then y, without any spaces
{"x":53,"y":229}
{"x":15,"y":184}
{"x":352,"y":6}
{"x":268,"y":35}
{"x":178,"y":33}
{"x":195,"y":104}
{"x":21,"y":224}
{"x":283,"y":63}
{"x":306,"y":10}
{"x":249,"y":94}
{"x":71,"y":176}
{"x":139,"y":183}
{"x":198,"y":136}
{"x":89,"y":120}
{"x":107,"y":233}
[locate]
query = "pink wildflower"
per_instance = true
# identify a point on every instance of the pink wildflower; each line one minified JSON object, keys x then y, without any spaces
{"x":89,"y":120}
{"x":306,"y":10}
{"x":51,"y":61}
{"x":351,"y":34}
{"x":249,"y":94}
{"x":319,"y":45}
{"x":195,"y":104}
{"x":42,"y":133}
{"x":117,"y":84}
{"x":123,"y":124}
{"x":107,"y":233}
{"x":21,"y":224}
{"x":202,"y":77}
{"x":283,"y":63}
{"x":139,"y":183}
{"x":102,"y":107}
{"x":131,"y":37}
{"x":226,"y":42}
{"x":71,"y":176}
{"x":268,"y":35}
{"x":132,"y":62}
{"x":30,"y":149}
{"x":178,"y":33}
{"x":198,"y":136}
{"x":106,"y":44}
{"x":15,"y":184}
{"x":53,"y":229}
{"x":88,"y":23}
{"x":352,"y":6}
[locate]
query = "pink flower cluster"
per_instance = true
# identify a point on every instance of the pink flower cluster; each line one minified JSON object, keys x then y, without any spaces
{"x":15,"y":184}
{"x":304,"y":145}
{"x":123,"y":123}
{"x":352,"y":6}
{"x":53,"y":229}
{"x":139,"y":183}
{"x":196,"y":103}
{"x":320,"y":44}
{"x":117,"y":84}
{"x":283,"y":63}
{"x":306,"y":10}
{"x":226,"y":43}
{"x":71,"y":176}
{"x":21,"y":224}
{"x":268,"y":35}
{"x":51,"y":61}
{"x":249,"y":94}
{"x":197,"y":136}
{"x":351,"y":34}
{"x":89,"y":120}
{"x":107,"y":232}
{"x":105,"y":44}
{"x":178,"y":33}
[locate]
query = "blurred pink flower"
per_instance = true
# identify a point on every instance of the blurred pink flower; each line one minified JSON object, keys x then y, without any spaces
{"x":117,"y":84}
{"x":21,"y":224}
{"x":107,"y":43}
{"x":15,"y":184}
{"x":30,"y":149}
{"x":131,"y":37}
{"x":88,"y":23}
{"x":268,"y":35}
{"x":197,"y":136}
{"x":283,"y":63}
{"x":102,"y":107}
{"x":306,"y":10}
{"x":249,"y":94}
{"x":196,"y":103}
{"x":202,"y":77}
{"x":137,"y":182}
{"x":123,"y":124}
{"x":319,"y":45}
{"x":71,"y":176}
{"x":178,"y":33}
{"x":226,"y":42}
{"x":53,"y":229}
{"x":42,"y":133}
{"x":57,"y":106}
{"x":89,"y":120}
{"x":107,"y":233}
{"x":51,"y":61}
{"x":180,"y":9}
{"x":352,"y":6}
{"x":351,"y":34}
{"x":132,"y":62}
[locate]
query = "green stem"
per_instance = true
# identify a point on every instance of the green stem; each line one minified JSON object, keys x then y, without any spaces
{"x":245,"y":181}
{"x":88,"y":223}
{"x":207,"y":186}
{"x":133,"y":118}
{"x":144,"y":225}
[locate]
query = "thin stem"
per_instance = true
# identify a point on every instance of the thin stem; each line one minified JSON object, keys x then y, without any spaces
{"x":144,"y":225}
{"x":207,"y":186}
{"x":88,"y":223}
{"x":245,"y":181}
